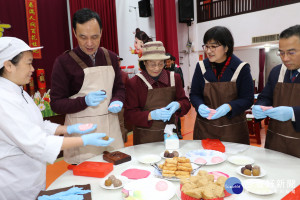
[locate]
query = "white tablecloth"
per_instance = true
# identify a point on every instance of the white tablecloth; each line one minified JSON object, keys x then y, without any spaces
{"x":282,"y":170}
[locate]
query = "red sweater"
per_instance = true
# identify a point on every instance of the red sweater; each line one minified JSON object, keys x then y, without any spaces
{"x":136,"y":96}
{"x":67,"y":79}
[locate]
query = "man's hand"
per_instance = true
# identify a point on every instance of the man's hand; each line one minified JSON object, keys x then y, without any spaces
{"x":115,"y":106}
{"x":281,"y":113}
{"x":95,"y":98}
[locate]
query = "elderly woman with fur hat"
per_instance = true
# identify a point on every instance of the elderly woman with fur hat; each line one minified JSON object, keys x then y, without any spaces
{"x":27,"y":142}
{"x":154,"y":96}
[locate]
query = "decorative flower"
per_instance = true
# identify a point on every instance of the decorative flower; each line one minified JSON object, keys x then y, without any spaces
{"x":41,"y":107}
{"x":46,"y":99}
{"x":37,"y":95}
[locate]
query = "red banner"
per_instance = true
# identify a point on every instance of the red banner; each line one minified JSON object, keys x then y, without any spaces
{"x":33,"y":26}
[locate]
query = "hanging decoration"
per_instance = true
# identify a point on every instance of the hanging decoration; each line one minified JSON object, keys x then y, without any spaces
{"x":2,"y":27}
{"x":40,"y":73}
{"x":33,"y":26}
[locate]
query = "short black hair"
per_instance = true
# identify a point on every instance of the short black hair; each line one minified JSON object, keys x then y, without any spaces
{"x":1,"y":71}
{"x":222,"y":36}
{"x":171,"y":56}
{"x":15,"y":60}
{"x":83,"y":15}
{"x":142,"y":65}
{"x":291,"y":31}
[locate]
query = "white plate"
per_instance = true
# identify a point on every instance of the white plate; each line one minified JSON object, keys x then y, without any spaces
{"x":162,"y":154}
{"x":158,"y":174}
{"x":147,"y":189}
{"x":262,"y":173}
{"x":148,"y":159}
{"x":211,"y":157}
{"x":241,"y":160}
{"x":121,"y":178}
{"x":259,"y":187}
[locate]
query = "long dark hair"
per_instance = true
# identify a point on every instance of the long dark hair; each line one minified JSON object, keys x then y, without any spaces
{"x":141,"y":35}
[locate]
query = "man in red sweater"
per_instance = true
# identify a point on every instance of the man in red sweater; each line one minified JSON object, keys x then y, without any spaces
{"x":87,"y":85}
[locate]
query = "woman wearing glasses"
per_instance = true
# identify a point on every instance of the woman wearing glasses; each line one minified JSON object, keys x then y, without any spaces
{"x":222,"y":89}
{"x":154,"y":96}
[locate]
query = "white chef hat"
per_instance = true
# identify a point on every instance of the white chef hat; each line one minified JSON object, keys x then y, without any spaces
{"x":10,"y":47}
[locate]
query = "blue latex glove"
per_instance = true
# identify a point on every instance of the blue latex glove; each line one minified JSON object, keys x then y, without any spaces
{"x":258,"y":113}
{"x":203,"y":111}
{"x":95,"y":98}
{"x":95,"y":139}
{"x":160,"y":114}
{"x":281,"y":113}
{"x":75,"y":129}
{"x":74,"y":193}
{"x":221,"y":111}
{"x":59,"y":197}
{"x":172,"y":107}
{"x":115,"y":106}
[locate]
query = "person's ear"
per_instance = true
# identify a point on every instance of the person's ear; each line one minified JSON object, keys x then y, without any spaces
{"x":74,"y":32}
{"x":226,"y":49}
{"x":8,"y":66}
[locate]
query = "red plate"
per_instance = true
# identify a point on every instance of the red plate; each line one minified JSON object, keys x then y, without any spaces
{"x":93,"y":169}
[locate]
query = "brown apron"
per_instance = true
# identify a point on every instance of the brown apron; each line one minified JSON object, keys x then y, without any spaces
{"x":95,"y":78}
{"x":229,"y":130}
{"x":281,"y":136}
{"x":156,"y":98}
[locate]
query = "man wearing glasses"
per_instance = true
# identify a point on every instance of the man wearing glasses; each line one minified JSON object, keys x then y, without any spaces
{"x":282,"y":93}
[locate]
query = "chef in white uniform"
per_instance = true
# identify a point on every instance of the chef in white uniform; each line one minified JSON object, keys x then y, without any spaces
{"x":27,"y":142}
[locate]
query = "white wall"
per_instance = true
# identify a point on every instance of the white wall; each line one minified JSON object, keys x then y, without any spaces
{"x":250,"y":56}
{"x":246,"y":26}
{"x":243,"y":28}
{"x":127,"y":21}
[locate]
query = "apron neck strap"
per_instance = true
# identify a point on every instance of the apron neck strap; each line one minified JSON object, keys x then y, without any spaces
{"x":77,"y":59}
{"x":107,"y":57}
{"x":282,"y":73}
{"x":202,"y":67}
{"x":172,"y":78}
{"x":237,"y":72}
{"x":145,"y":81}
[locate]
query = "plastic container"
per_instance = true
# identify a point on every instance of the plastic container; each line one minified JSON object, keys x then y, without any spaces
{"x":93,"y":169}
{"x":213,"y":144}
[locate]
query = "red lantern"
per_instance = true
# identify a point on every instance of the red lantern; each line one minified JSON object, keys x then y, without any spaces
{"x":40,"y":73}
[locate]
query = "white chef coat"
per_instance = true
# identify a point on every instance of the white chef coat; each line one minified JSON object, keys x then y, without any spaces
{"x":26,"y":144}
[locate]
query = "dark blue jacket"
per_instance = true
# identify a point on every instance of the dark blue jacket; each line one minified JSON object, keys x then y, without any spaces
{"x":244,"y":85}
{"x":265,"y":98}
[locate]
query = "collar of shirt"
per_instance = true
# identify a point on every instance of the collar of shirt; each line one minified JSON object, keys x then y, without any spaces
{"x":163,"y":78}
{"x":93,"y":56}
{"x":292,"y":72}
{"x":11,"y":85}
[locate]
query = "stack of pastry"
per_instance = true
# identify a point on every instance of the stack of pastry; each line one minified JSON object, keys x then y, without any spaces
{"x":179,"y":167}
{"x":203,"y":186}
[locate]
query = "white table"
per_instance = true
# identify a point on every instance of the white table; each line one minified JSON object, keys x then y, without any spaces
{"x":283,"y":170}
